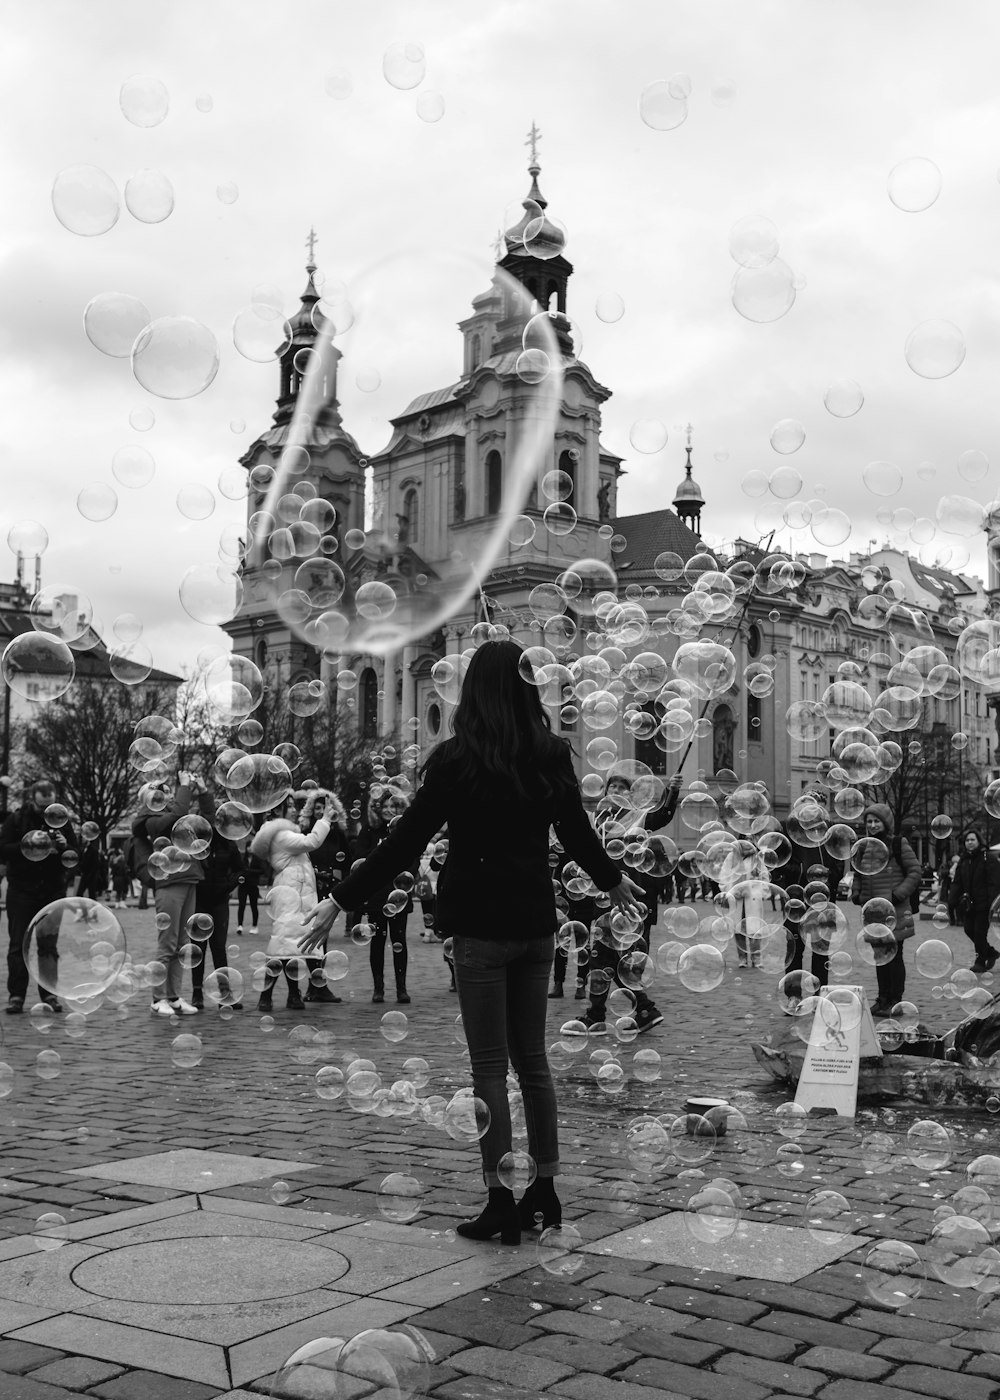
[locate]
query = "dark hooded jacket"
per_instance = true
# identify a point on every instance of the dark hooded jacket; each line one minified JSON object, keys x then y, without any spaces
{"x":899,"y":878}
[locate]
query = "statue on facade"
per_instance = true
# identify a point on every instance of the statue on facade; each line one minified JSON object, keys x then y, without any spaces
{"x":604,"y":503}
{"x":402,"y":529}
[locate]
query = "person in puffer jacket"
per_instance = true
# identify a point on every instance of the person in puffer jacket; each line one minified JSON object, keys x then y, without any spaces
{"x":975,"y":889}
{"x":895,"y":882}
{"x":287,"y":849}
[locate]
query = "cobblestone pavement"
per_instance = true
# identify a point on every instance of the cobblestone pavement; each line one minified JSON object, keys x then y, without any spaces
{"x":186,"y":1270}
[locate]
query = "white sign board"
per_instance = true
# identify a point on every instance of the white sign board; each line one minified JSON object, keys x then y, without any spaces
{"x":842,"y":1031}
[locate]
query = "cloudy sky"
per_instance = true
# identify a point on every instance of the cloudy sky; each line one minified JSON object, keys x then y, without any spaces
{"x":797,"y":114}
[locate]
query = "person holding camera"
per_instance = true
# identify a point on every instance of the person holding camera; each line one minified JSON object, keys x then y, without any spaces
{"x":174,"y":888}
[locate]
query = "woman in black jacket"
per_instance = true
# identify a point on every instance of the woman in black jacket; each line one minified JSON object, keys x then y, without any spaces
{"x":499,"y":784}
{"x":975,"y":888}
{"x":384,"y":806}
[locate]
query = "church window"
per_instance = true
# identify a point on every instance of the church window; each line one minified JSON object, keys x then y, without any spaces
{"x":411,"y":514}
{"x":753,"y":718}
{"x":260,"y":654}
{"x":459,"y":499}
{"x":723,"y":733}
{"x":567,"y":464}
{"x":369,"y":703}
{"x":494,"y":483}
{"x":434,"y":718}
{"x":475,"y":352}
{"x":753,"y":641}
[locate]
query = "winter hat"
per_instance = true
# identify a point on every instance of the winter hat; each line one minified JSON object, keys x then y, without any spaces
{"x":884,"y":815}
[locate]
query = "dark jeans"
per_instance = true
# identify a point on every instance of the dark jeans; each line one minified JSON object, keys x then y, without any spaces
{"x":21,"y":909}
{"x":892,"y":978}
{"x":216,"y":944}
{"x":562,"y":962}
{"x":795,"y":952}
{"x":91,"y":887}
{"x":395,"y":929}
{"x":247,"y":893}
{"x":976,"y":923}
{"x":604,"y":962}
{"x":503,"y":987}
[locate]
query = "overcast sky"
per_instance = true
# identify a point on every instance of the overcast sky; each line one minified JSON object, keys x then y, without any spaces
{"x":798,"y":112}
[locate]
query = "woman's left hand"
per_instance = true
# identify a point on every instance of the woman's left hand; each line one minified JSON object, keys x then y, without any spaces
{"x":323,"y":918}
{"x":627,"y":895}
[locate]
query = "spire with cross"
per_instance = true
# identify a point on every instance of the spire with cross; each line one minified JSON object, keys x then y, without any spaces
{"x":311,"y":245}
{"x":534,"y":135}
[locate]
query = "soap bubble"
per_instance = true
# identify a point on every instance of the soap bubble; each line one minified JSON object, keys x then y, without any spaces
{"x":211,"y":593}
{"x":195,"y":502}
{"x":38,"y":667}
{"x":404,"y":65}
{"x":789,"y":1159}
{"x":260,"y":781}
{"x":149,"y":196}
{"x":828,"y":1217}
{"x":392,"y":1362}
{"x":85,"y":200}
{"x":787,"y":436}
{"x":914,"y":184}
{"x":753,"y":241}
{"x":400,"y":1197}
{"x":933,"y":959}
{"x":701,"y":968}
{"x":935,"y":349}
{"x":144,"y":100}
{"x":893,"y":1273}
{"x":50,"y":1230}
{"x":516,"y":1171}
{"x":227,"y":192}
{"x":928,"y":1145}
{"x":48,"y":1064}
{"x":466,"y":1118}
{"x":97,"y":501}
{"x":186,"y":1051}
{"x":560,"y":1251}
{"x":430,"y":106}
{"x":113,"y":321}
{"x":843,"y":398}
{"x":609,"y":307}
{"x":133,"y":467}
{"x":394,"y":1027}
{"x":648,"y":435}
{"x":831,"y":526}
{"x":954,"y":1248}
{"x":280,"y":1193}
{"x":763,"y":294}
{"x":882,"y":478}
{"x":662,"y":106}
{"x":175,"y":357}
{"x":711,"y":1215}
{"x":261,"y":333}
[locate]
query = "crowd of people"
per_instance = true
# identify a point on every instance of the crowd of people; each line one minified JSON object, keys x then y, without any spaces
{"x":500,"y":852}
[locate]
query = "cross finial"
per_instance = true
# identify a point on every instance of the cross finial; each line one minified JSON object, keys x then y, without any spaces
{"x":689,"y":430}
{"x":311,"y":245}
{"x":534,"y":136}
{"x":498,"y":245}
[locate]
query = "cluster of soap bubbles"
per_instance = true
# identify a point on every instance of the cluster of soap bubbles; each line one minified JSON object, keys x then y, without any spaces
{"x":392,"y":1361}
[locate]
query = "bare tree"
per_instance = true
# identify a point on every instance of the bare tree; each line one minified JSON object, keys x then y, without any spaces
{"x":81,"y":741}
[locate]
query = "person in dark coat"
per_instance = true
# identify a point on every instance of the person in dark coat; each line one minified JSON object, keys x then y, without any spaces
{"x":498,"y":784}
{"x":221,"y":867}
{"x":975,"y":888}
{"x":384,"y":806}
{"x":92,"y":869}
{"x":31,"y":884}
{"x":248,"y":890}
{"x":896,"y":881}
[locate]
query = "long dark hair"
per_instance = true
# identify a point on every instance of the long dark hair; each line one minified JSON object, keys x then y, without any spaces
{"x":502,"y":734}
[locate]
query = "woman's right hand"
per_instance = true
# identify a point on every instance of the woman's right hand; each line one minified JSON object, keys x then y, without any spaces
{"x":627,"y":895}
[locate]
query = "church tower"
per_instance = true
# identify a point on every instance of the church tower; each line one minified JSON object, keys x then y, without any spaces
{"x":320,"y":463}
{"x":688,"y":499}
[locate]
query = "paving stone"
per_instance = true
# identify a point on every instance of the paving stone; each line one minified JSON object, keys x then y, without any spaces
{"x":636,"y":1314}
{"x":791,"y":1297}
{"x":817,"y":1331}
{"x":580,"y":1324}
{"x":17,"y":1358}
{"x":151,"y":1385}
{"x":27,"y":1388}
{"x":625,"y":1285}
{"x":776,"y":1375}
{"x":77,"y":1372}
{"x":839,"y":1362}
{"x":579,"y":1354}
{"x":922,"y":1353}
{"x":771,"y":1345}
{"x":931,"y":1380}
{"x":984,"y":1366}
{"x":535,"y":1373}
{"x":697,"y":1385}
{"x":668,"y":1346}
{"x":548,"y":1290}
{"x":862,"y":1390}
{"x":719,"y":1305}
{"x":900,"y":1325}
{"x":602,"y":1388}
{"x":480,"y":1388}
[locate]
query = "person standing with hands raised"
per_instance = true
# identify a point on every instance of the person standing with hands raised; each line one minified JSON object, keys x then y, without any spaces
{"x":31,"y":884}
{"x":498,"y":784}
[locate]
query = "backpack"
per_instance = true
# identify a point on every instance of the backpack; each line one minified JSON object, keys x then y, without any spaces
{"x":897,"y":855}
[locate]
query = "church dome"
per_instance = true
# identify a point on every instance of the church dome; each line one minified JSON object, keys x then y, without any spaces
{"x":544,"y":238}
{"x":689,"y":490}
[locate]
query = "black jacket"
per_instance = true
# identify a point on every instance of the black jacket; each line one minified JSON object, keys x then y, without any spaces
{"x":977,"y":881}
{"x":496,"y":882}
{"x":32,"y":877}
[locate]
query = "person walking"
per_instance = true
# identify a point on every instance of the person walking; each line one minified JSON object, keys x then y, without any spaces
{"x":976,"y":886}
{"x":895,"y":882}
{"x":499,"y":783}
{"x":384,"y":805}
{"x":31,"y":884}
{"x":248,"y":890}
{"x":286,"y":849}
{"x":121,"y":880}
{"x":93,"y":867}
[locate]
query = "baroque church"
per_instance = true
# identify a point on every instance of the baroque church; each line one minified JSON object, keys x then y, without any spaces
{"x":436,"y":492}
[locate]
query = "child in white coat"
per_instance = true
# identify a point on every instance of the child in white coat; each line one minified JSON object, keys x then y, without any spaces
{"x":286,"y":849}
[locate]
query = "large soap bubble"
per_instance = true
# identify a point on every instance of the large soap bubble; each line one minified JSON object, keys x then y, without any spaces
{"x":175,"y":357}
{"x":390,"y":304}
{"x":74,"y":948}
{"x":113,"y":321}
{"x":85,"y":200}
{"x":38,"y":667}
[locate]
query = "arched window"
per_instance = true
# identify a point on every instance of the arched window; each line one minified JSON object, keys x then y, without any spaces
{"x":475,"y":352}
{"x":568,"y":464}
{"x":369,"y":703}
{"x":723,"y":731}
{"x":260,"y":654}
{"x":411,"y":514}
{"x":494,"y":483}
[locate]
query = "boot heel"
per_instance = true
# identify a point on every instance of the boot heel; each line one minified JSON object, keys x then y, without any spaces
{"x":511,"y":1233}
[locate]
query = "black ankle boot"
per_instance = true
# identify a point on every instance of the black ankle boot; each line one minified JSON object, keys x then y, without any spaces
{"x":295,"y":1002}
{"x":265,"y":1000}
{"x":378,"y":995}
{"x":402,"y":995}
{"x":557,"y":990}
{"x":499,"y":1217}
{"x":540,"y":1198}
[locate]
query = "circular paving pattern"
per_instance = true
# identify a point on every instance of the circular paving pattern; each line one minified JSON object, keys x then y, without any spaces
{"x":194,"y":1271}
